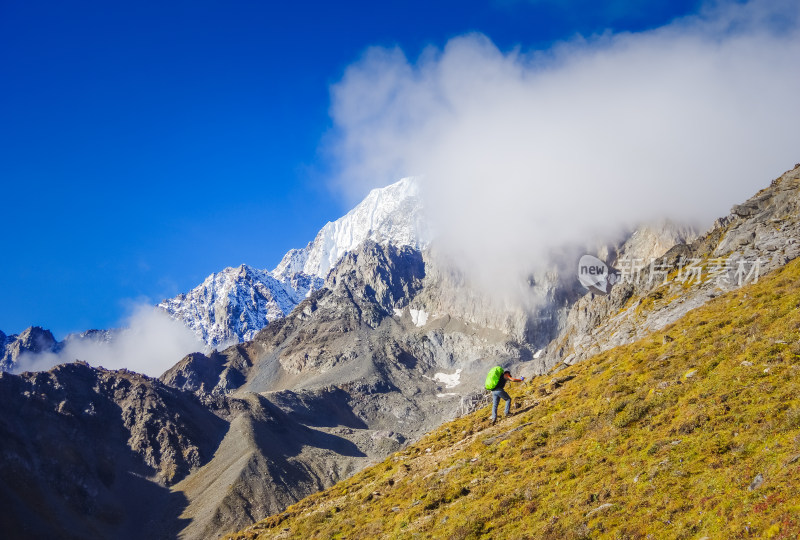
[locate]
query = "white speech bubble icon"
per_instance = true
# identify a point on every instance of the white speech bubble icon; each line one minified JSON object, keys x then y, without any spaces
{"x":596,"y":275}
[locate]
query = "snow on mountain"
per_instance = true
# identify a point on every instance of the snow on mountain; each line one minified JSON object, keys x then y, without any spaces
{"x":387,"y":215}
{"x":234,"y":304}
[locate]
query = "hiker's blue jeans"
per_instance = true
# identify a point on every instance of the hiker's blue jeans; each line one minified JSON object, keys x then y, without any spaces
{"x":496,"y":395}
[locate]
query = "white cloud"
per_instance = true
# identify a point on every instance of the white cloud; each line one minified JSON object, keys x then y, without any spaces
{"x":150,"y":343}
{"x":525,"y":151}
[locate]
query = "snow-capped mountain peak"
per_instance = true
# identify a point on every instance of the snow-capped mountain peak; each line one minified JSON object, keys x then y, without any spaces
{"x":387,"y":215}
{"x":234,"y":304}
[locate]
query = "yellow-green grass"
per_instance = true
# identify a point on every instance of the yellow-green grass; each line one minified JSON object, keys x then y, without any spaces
{"x":663,"y":438}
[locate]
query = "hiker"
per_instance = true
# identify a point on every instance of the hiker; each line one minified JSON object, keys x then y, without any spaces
{"x":498,"y":392}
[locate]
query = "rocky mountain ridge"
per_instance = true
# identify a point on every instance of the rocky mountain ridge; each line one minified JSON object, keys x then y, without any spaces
{"x":32,"y":340}
{"x":370,"y":349}
{"x":691,"y":432}
{"x":35,"y":340}
{"x":232,"y":305}
{"x":758,"y":236}
{"x":89,"y":452}
{"x":437,"y":342}
{"x":352,"y":354}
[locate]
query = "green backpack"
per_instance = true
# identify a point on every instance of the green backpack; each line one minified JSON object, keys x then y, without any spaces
{"x":493,"y":377}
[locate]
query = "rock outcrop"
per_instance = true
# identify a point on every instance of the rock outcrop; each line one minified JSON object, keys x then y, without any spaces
{"x":32,"y":340}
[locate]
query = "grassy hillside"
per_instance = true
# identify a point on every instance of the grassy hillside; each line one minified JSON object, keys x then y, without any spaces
{"x":692,"y":432}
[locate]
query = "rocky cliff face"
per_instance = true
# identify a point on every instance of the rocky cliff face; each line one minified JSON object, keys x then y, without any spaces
{"x":652,"y":241}
{"x":530,"y":319}
{"x":758,"y":236}
{"x":379,"y":279}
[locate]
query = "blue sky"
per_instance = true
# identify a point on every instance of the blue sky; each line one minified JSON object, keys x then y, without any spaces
{"x":145,"y":145}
